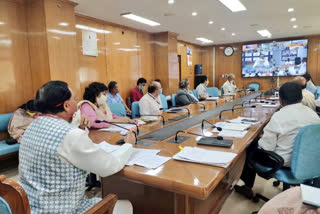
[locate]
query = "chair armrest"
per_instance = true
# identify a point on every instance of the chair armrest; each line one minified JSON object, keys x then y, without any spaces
{"x":260,"y":167}
{"x":106,"y":205}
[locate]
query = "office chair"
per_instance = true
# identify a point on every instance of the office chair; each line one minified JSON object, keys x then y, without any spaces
{"x":135,"y":109}
{"x":213,"y":91}
{"x":254,"y":86}
{"x":173,"y":99}
{"x":195,"y":93}
{"x":118,"y":109}
{"x":222,"y":91}
{"x":164,"y":101}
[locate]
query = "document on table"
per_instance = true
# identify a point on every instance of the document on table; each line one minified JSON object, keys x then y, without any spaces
{"x":245,"y":120}
{"x":147,"y":158}
{"x":125,"y":126}
{"x":273,"y":98}
{"x":233,"y":126}
{"x":212,"y":98}
{"x":234,"y":134}
{"x":310,"y":195}
{"x":205,"y":156}
{"x":270,"y":105}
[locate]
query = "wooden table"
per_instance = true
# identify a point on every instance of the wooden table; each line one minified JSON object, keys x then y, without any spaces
{"x":181,"y":187}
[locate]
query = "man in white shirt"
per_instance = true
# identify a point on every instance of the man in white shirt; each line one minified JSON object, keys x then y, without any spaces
{"x":202,"y":88}
{"x":279,"y":134}
{"x":261,"y":63}
{"x":229,"y":87}
{"x":308,"y":98}
{"x":150,"y":103}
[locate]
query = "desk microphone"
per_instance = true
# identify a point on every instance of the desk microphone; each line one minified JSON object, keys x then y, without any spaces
{"x":115,"y":124}
{"x":212,"y":125}
{"x":174,"y":110}
{"x":242,"y":104}
{"x":163,"y":121}
{"x":232,"y":109}
{"x":202,"y":104}
{"x":195,"y":134}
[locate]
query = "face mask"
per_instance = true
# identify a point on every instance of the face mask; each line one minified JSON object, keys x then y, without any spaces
{"x":73,"y":112}
{"x":142,"y":88}
{"x":101,"y":100}
{"x":161,"y":91}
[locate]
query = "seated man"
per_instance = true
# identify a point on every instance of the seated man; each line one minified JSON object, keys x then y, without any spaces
{"x":150,"y":103}
{"x":55,"y":156}
{"x":137,"y":93}
{"x":113,"y":95}
{"x":183,"y":96}
{"x":202,"y":88}
{"x":308,"y":98}
{"x":279,"y":134}
{"x":229,"y":87}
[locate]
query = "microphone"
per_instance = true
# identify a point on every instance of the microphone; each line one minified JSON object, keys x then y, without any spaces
{"x":195,"y":134}
{"x":163,"y":121}
{"x":129,"y":123}
{"x":202,"y":104}
{"x":233,"y":109}
{"x":239,"y":104}
{"x":115,"y":124}
{"x":173,"y":111}
{"x":213,"y":126}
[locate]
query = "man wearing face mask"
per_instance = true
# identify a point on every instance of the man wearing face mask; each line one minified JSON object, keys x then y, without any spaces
{"x":229,"y":87}
{"x":150,"y":103}
{"x":55,"y":156}
{"x":113,"y":95}
{"x":202,"y":88}
{"x":137,"y":93}
{"x":94,"y":106}
{"x":308,"y":98}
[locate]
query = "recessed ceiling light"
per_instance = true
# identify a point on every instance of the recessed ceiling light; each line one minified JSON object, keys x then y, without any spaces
{"x":233,"y":5}
{"x":295,"y":26}
{"x":2,"y":23}
{"x":140,"y":19}
{"x":194,"y":13}
{"x":233,"y":34}
{"x":290,"y":10}
{"x":204,"y":40}
{"x":293,"y":19}
{"x":210,"y":22}
{"x":264,"y":33}
{"x":116,"y":43}
{"x":83,"y":27}
{"x":63,"y":24}
{"x":223,"y":29}
{"x":170,"y":1}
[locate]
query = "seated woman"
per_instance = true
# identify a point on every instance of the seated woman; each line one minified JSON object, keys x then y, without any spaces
{"x":202,"y":88}
{"x":94,"y":106}
{"x":55,"y":156}
{"x":183,"y":96}
{"x":20,"y":120}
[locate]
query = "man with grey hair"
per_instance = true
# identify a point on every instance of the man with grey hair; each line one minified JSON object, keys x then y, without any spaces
{"x":308,"y":98}
{"x":229,"y":87}
{"x":183,"y":96}
{"x":150,"y":103}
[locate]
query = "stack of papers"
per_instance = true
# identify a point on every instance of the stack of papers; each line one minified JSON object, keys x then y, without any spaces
{"x":245,"y":120}
{"x":212,"y":98}
{"x":234,"y":134}
{"x":147,"y":158}
{"x":149,"y":118}
{"x":204,"y":156}
{"x":310,"y":195}
{"x":233,"y":126}
{"x":273,"y":98}
{"x":270,"y":105}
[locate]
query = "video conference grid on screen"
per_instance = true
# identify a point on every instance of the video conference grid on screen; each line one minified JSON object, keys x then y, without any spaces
{"x":288,"y":58}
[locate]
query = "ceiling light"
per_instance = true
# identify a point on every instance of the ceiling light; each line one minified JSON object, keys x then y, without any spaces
{"x":223,"y":29}
{"x":204,"y":40}
{"x":92,"y":29}
{"x":290,"y":10}
{"x":210,"y":22}
{"x":140,"y":19}
{"x":63,"y":24}
{"x":2,"y":23}
{"x":295,"y":26}
{"x":264,"y":33}
{"x":170,"y":1}
{"x":194,"y":13}
{"x":293,"y":19}
{"x":233,"y":34}
{"x":233,"y":5}
{"x":116,"y":43}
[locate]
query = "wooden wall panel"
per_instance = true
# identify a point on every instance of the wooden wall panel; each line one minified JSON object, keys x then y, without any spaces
{"x":173,"y":71}
{"x":207,"y":63}
{"x":15,"y":83}
{"x":232,"y":64}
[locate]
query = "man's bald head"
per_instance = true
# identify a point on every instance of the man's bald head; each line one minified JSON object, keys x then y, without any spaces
{"x":301,"y":81}
{"x":154,"y":88}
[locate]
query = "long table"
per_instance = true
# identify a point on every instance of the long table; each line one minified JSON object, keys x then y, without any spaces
{"x":180,"y":187}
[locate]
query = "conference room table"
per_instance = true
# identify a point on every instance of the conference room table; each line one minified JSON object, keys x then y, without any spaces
{"x":180,"y":187}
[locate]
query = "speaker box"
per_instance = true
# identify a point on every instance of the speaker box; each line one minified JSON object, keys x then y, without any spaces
{"x":198,"y":69}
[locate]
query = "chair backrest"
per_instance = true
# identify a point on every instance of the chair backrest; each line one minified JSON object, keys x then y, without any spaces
{"x":195,"y":93}
{"x":164,"y":101}
{"x":118,"y":109}
{"x":305,"y":156}
{"x":254,"y":86}
{"x":317,"y":93}
{"x":222,"y":91}
{"x":173,"y":100}
{"x":135,"y":109}
{"x":106,"y":205}
{"x":129,"y":102}
{"x":14,"y":195}
{"x":213,"y":91}
{"x":4,"y":120}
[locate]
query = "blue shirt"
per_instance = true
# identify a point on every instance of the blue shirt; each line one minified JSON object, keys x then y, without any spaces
{"x":114,"y":99}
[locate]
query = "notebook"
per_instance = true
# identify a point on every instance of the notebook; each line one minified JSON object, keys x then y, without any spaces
{"x":233,"y":126}
{"x":310,"y":195}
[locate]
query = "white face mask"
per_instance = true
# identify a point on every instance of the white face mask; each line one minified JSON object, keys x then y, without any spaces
{"x":102,"y":100}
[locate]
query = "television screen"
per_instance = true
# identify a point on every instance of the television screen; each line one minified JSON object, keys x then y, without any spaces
{"x":284,"y":58}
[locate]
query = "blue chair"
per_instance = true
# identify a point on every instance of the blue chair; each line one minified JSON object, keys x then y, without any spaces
{"x":118,"y":109}
{"x":317,"y":93}
{"x":254,"y":86}
{"x":214,"y":92}
{"x":164,"y":101}
{"x":173,"y":100}
{"x":195,"y":93}
{"x":304,"y":161}
{"x":4,"y":147}
{"x":135,"y":110}
{"x":222,"y":91}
